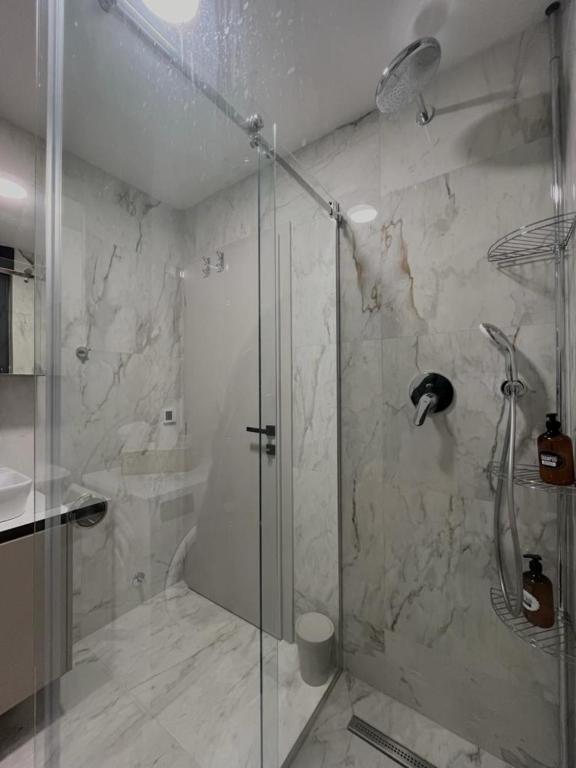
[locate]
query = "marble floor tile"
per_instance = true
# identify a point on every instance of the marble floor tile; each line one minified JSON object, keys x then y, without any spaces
{"x":330,"y":745}
{"x":174,"y":683}
{"x":192,"y":666}
{"x":99,"y":727}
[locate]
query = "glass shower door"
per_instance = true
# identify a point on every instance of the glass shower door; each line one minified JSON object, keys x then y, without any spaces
{"x":158,"y":446}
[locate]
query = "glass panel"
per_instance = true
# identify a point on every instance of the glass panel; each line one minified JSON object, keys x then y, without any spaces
{"x":155,"y":377}
{"x":308,"y":241}
{"x":306,"y":582}
{"x":186,"y":427}
{"x":271,"y":460}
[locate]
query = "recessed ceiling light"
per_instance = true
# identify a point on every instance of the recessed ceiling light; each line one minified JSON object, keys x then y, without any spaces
{"x":174,"y":11}
{"x":362,"y":214}
{"x":11,"y":189}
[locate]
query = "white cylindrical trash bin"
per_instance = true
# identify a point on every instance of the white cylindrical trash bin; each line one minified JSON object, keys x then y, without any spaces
{"x":315,"y":640}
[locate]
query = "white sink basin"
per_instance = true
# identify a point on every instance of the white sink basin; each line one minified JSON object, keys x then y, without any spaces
{"x":14,"y":490}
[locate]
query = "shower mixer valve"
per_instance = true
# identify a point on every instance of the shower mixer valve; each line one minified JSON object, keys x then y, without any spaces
{"x":430,"y":393}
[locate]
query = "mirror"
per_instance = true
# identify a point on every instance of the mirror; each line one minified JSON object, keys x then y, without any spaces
{"x":16,"y":311}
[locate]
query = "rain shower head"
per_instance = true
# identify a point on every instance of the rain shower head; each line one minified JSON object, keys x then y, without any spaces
{"x":506,"y":347}
{"x":403,"y":80}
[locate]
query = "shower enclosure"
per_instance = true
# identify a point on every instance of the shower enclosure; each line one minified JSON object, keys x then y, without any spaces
{"x":190,"y":343}
{"x":275,"y":449}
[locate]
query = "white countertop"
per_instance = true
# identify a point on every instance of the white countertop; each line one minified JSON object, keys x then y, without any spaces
{"x":34,"y":510}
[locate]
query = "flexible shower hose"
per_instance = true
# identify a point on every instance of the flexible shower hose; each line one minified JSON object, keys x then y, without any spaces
{"x":506,"y":478}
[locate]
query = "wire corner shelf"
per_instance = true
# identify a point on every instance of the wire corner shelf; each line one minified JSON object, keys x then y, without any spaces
{"x":540,"y":241}
{"x":559,"y":638}
{"x":528,"y":476}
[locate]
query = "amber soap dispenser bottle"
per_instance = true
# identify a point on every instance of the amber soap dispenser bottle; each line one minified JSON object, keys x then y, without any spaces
{"x":538,"y":597}
{"x":555,"y":455}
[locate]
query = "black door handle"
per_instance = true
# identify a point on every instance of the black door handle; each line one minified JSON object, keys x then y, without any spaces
{"x":269,"y":431}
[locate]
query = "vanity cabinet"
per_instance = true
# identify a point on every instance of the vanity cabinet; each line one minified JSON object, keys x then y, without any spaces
{"x":27,"y":661}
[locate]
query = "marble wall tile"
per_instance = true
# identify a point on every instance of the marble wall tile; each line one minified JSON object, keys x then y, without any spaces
{"x":312,"y":248}
{"x":361,"y":286}
{"x":434,"y":239}
{"x":122,"y":298}
{"x":316,"y":569}
{"x":417,"y":676}
{"x":421,"y":266}
{"x":450,"y":452}
{"x":135,"y":545}
{"x":314,"y":414}
{"x":417,"y":502}
{"x":430,"y":561}
{"x":346,"y":162}
{"x":226,"y":217}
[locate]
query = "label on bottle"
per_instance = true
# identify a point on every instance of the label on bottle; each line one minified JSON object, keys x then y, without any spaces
{"x":551,"y":460}
{"x":529,"y":602}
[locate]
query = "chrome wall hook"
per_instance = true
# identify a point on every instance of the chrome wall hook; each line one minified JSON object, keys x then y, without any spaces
{"x":206,"y":266}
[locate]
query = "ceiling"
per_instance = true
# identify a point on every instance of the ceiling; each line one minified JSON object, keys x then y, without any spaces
{"x":306,"y":65}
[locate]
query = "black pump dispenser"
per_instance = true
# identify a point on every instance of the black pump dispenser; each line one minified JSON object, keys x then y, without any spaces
{"x":553,"y":427}
{"x":535,"y":565}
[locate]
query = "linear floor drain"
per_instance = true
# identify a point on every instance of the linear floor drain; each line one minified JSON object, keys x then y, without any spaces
{"x":386,"y":745}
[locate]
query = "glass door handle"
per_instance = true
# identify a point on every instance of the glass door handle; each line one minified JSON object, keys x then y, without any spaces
{"x":269,"y":430}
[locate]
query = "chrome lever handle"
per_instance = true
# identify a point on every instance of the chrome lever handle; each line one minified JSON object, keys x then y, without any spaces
{"x":427,"y":404}
{"x":430,"y":393}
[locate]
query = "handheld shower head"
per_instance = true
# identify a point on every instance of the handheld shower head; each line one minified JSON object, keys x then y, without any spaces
{"x":506,"y":347}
